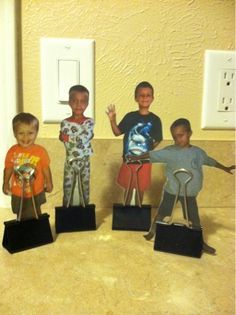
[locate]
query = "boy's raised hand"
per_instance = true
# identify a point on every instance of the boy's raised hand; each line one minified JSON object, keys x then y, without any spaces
{"x":111,"y":111}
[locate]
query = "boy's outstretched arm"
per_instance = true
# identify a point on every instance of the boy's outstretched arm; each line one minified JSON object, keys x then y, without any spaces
{"x":227,"y":169}
{"x":111,"y":113}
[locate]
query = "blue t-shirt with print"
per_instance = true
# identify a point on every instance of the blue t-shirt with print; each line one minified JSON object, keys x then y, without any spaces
{"x":140,"y":132}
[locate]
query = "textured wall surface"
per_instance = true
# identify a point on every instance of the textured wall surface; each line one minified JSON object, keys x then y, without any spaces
{"x":156,"y":40}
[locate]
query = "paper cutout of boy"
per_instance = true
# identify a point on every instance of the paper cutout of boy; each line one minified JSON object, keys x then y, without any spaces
{"x":142,"y":132}
{"x":22,"y":160}
{"x":76,"y":133}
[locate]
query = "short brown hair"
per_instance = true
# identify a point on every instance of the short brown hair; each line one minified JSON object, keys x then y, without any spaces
{"x":141,"y":85}
{"x":181,"y":122}
{"x":78,"y":88}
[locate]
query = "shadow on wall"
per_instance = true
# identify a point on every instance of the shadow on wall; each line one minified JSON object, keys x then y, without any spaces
{"x":104,"y":190}
{"x":56,"y":153}
{"x":154,"y":194}
{"x":105,"y":164}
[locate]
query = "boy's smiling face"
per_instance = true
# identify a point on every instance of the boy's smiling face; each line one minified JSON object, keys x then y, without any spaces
{"x":26,"y":134}
{"x":181,"y":136}
{"x":144,"y":97}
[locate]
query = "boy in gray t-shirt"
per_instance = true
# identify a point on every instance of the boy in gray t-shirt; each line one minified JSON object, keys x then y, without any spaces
{"x":182,"y":155}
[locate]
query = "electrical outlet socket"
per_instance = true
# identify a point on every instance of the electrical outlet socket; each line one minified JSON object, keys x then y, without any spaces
{"x":219,"y":90}
{"x":227,"y":90}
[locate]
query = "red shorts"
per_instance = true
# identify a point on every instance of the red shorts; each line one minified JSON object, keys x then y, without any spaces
{"x":132,"y":174}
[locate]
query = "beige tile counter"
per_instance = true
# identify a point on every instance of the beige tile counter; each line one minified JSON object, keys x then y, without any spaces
{"x":107,"y":272}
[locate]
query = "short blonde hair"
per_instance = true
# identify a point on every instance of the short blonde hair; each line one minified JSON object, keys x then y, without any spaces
{"x":24,"y":118}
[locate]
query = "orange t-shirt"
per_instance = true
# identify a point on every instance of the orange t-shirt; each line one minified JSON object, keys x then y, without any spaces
{"x":35,"y":157}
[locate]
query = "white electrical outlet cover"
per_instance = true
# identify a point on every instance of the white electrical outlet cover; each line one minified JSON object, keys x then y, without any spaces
{"x":219,"y":90}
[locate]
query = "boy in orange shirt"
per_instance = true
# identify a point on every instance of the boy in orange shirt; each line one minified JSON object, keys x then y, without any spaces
{"x":25,"y":158}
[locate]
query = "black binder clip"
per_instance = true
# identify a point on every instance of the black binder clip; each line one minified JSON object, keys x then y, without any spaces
{"x":132,"y":217}
{"x":72,"y":218}
{"x":22,"y":234}
{"x":178,"y":238}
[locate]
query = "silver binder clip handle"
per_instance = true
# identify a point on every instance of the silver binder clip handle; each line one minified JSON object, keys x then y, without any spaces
{"x":128,"y":191}
{"x":76,"y":171}
{"x":189,"y":178}
{"x":26,"y":174}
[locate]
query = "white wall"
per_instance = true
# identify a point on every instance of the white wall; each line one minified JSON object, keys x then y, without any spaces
{"x":8,"y":79}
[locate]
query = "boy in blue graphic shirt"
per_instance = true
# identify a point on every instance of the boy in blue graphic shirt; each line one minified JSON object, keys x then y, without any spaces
{"x":142,"y":132}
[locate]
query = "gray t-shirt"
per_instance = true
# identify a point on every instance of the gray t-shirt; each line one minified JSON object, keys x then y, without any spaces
{"x":191,"y":158}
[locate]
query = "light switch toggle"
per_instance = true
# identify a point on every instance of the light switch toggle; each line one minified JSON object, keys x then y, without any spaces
{"x":68,"y":75}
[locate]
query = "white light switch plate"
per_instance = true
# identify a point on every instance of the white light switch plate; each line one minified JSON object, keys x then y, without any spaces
{"x":219,"y":90}
{"x":65,"y":62}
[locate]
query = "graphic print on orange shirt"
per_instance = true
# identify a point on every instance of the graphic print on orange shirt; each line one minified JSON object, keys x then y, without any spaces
{"x":24,"y":169}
